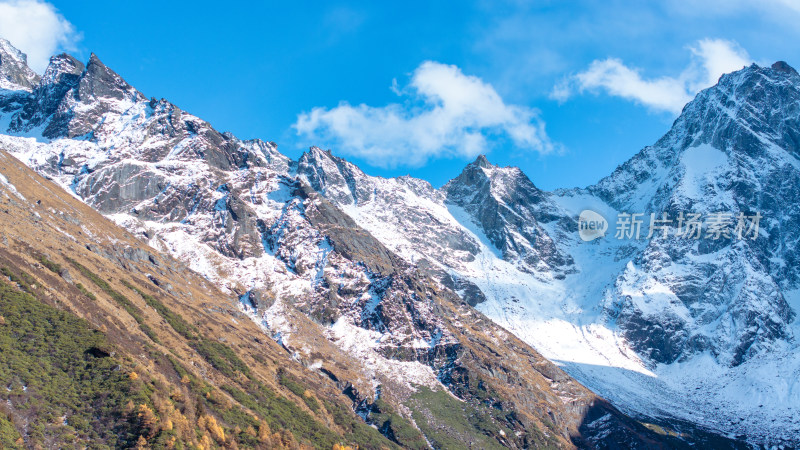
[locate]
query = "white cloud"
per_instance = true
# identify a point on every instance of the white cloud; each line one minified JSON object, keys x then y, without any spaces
{"x":715,"y":57}
{"x":447,"y":114}
{"x":37,"y":29}
{"x":710,"y":59}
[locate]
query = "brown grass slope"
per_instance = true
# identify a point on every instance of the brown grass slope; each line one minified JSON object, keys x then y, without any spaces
{"x":197,"y":374}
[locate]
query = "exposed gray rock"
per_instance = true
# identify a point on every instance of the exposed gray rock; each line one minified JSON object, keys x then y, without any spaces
{"x":506,"y":205}
{"x":14,"y":70}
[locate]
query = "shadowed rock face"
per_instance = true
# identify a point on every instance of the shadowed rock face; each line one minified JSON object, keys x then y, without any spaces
{"x":509,"y":210}
{"x":101,"y":82}
{"x":62,"y":74}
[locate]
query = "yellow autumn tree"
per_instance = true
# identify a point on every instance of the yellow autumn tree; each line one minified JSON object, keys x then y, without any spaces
{"x":264,"y":433}
{"x":148,"y":418}
{"x":141,"y":443}
{"x":205,"y":442}
{"x":210,"y":424}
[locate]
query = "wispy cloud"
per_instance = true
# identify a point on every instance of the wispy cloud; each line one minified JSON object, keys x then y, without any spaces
{"x":446,"y":114}
{"x":36,"y":28}
{"x":776,"y":10}
{"x":710,"y":59}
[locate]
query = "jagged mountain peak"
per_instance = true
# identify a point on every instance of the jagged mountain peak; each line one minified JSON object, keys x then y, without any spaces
{"x":71,"y":97}
{"x":482,"y":161}
{"x":755,"y":79}
{"x":99,"y":81}
{"x":14,"y":71}
{"x":326,"y":160}
{"x":746,"y":107}
{"x":750,"y":118}
{"x":742,"y":94}
{"x":783,"y":66}
{"x":480,"y":178}
{"x":323,"y":166}
{"x":509,"y":208}
{"x":337,"y":178}
{"x":60,"y":66}
{"x":318,"y":151}
{"x":7,"y":48}
{"x":315,"y":154}
{"x":501,"y":181}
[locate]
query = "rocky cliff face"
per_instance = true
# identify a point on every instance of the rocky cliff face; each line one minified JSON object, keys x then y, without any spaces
{"x":14,"y":71}
{"x":733,"y":150}
{"x":508,"y":208}
{"x":283,"y":237}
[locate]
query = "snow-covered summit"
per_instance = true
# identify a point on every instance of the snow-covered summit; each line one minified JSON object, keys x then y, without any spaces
{"x":14,"y":71}
{"x":510,"y":211}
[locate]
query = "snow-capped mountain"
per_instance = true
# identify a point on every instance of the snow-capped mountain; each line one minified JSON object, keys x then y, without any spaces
{"x":370,"y":280}
{"x":733,"y":150}
{"x":319,"y":258}
{"x":510,"y":212}
{"x":695,"y":329}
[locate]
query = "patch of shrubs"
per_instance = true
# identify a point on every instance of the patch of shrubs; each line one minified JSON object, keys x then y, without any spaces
{"x":355,"y":428}
{"x":20,"y":278}
{"x":177,"y":322}
{"x":51,"y":266}
{"x":86,"y":292}
{"x":54,"y":382}
{"x":299,"y":390}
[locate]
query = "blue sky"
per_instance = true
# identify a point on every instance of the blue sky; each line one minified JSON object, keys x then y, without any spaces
{"x":565,"y":90}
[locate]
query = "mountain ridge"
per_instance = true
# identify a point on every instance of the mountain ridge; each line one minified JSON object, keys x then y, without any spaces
{"x":320,"y":286}
{"x":351,"y":257}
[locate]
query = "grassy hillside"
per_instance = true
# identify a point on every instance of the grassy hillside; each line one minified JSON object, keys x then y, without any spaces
{"x":68,"y":384}
{"x":106,"y":344}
